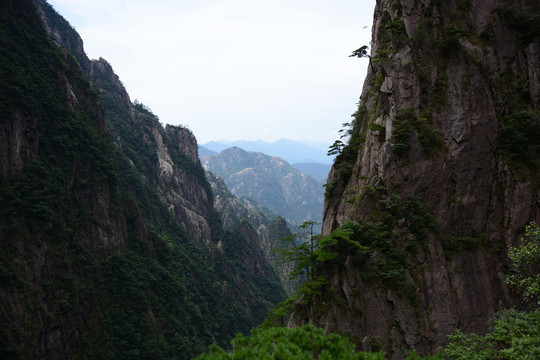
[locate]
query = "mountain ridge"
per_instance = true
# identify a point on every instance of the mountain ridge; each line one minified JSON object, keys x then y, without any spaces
{"x":290,"y":150}
{"x":270,"y":181}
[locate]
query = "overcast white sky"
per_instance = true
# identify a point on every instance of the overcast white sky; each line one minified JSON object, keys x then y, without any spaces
{"x":234,"y":69}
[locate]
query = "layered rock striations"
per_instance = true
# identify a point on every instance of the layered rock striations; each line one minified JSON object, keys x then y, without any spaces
{"x":441,"y":173}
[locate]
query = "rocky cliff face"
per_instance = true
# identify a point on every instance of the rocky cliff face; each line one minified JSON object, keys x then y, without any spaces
{"x":110,"y":245}
{"x":179,"y":189}
{"x":443,"y":161}
{"x":270,"y":228}
{"x":234,"y":209}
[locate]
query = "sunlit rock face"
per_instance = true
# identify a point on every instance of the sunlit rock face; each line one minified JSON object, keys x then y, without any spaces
{"x":447,"y":82}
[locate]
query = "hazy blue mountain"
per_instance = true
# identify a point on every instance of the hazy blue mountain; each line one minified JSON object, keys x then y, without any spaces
{"x":315,"y":170}
{"x":291,"y":151}
{"x":205,"y":151}
{"x":270,"y":181}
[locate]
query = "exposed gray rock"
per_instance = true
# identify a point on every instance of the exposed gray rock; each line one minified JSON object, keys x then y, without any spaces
{"x":462,"y":87}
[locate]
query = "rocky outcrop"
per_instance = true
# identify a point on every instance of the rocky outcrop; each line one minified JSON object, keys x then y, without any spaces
{"x":233,"y":209}
{"x":437,"y":124}
{"x":16,"y":148}
{"x":183,"y":194}
{"x":62,"y":33}
{"x":179,"y":189}
{"x":270,"y":228}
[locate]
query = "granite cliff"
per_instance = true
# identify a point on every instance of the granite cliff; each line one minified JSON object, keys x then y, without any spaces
{"x":110,"y":244}
{"x":270,"y":228}
{"x":440,"y":174}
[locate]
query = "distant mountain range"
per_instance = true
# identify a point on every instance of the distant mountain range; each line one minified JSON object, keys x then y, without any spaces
{"x":270,"y":181}
{"x":317,"y":171}
{"x":291,"y":151}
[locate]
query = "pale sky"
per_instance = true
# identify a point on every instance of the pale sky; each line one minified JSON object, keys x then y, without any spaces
{"x":234,"y":69}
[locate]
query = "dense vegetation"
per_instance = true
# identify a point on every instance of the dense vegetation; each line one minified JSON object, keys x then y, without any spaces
{"x":306,"y":342}
{"x":92,"y":264}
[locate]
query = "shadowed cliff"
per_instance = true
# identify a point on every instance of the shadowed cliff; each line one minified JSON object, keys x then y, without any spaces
{"x":109,"y":239}
{"x":439,"y":176}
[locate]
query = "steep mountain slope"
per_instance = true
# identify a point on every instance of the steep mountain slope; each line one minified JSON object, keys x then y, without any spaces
{"x":440,"y":175}
{"x":109,"y":239}
{"x":270,"y":181}
{"x":271,"y":228}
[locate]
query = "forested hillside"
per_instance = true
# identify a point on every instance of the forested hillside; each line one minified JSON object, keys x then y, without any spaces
{"x":109,"y":239}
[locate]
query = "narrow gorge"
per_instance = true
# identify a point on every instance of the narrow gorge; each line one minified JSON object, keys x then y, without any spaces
{"x":116,"y":242}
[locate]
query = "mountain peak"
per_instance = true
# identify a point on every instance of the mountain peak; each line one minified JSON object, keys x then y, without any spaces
{"x":269,"y":180}
{"x":290,"y":150}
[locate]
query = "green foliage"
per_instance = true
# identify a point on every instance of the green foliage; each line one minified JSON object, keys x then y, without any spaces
{"x":306,"y":342}
{"x":396,"y":36}
{"x":449,"y":45}
{"x":382,"y":55}
{"x":526,"y":264}
{"x":525,"y":20}
{"x":463,"y":347}
{"x":344,"y":162}
{"x":402,"y":129}
{"x":519,"y":138}
{"x":453,"y":245}
{"x":336,"y":148}
{"x":405,"y":122}
{"x":413,"y":355}
{"x":341,"y":242}
{"x":312,"y":254}
{"x":360,"y":52}
{"x":304,"y":254}
{"x":316,"y":250}
{"x":397,"y":227}
{"x":431,"y":139}
{"x":377,"y":127}
{"x":514,"y":335}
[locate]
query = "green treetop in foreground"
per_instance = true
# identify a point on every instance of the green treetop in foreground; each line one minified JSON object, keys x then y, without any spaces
{"x":306,"y":342}
{"x":301,"y":343}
